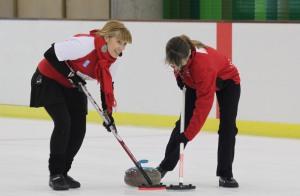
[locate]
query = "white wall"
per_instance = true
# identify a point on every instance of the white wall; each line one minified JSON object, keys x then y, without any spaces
{"x":269,"y":61}
{"x":266,"y":55}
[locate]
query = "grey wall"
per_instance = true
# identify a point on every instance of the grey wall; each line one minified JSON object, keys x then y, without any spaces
{"x":87,"y":9}
{"x":137,"y":9}
{"x":40,"y":9}
{"x":83,"y":9}
{"x":7,"y":8}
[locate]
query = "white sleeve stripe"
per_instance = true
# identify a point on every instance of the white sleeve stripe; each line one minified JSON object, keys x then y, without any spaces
{"x":74,"y":48}
{"x":201,"y":50}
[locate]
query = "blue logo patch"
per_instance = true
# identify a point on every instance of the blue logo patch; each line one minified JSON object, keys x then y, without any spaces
{"x":86,"y":63}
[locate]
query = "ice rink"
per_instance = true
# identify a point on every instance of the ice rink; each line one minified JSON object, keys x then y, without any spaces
{"x":263,"y":166}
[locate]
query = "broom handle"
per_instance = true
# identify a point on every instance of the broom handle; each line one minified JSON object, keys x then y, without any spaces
{"x":113,"y":129}
{"x":115,"y":133}
{"x":181,"y":151}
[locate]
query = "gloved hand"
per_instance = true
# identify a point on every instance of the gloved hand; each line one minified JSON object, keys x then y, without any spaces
{"x":111,"y":122}
{"x":75,"y":79}
{"x":182,"y":139}
{"x":180,"y":83}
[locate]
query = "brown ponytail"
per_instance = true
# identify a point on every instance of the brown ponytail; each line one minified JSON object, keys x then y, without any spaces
{"x":178,"y":48}
{"x":193,"y":43}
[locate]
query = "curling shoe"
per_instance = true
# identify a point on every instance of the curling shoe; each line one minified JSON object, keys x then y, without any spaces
{"x":228,"y":182}
{"x":161,"y":171}
{"x":73,"y":184}
{"x":58,"y":182}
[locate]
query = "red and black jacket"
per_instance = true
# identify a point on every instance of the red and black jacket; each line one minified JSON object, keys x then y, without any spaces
{"x":200,"y":73}
{"x":94,"y":62}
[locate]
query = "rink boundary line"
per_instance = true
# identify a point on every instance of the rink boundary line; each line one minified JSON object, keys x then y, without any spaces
{"x":255,"y":128}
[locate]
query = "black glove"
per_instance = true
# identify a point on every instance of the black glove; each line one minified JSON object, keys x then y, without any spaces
{"x":182,"y":139}
{"x":111,"y":122}
{"x":75,"y":79}
{"x":180,"y":83}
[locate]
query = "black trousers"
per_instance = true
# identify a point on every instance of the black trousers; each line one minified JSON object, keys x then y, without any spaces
{"x":228,"y":99}
{"x":67,"y":137}
{"x":68,"y":109}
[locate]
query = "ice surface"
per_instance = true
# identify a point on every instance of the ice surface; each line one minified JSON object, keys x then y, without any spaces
{"x":263,"y":166}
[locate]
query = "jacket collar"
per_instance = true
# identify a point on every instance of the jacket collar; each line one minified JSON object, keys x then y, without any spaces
{"x":101,"y":46}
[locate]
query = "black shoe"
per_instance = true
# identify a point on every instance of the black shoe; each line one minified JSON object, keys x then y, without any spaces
{"x":162,"y":172}
{"x":228,"y":182}
{"x":58,"y":182}
{"x":71,"y":182}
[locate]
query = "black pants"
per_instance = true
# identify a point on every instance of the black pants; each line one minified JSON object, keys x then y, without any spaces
{"x":67,"y":108}
{"x":228,"y":99}
{"x":67,"y":136}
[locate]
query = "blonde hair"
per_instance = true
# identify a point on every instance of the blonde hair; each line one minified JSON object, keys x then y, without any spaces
{"x":114,"y":28}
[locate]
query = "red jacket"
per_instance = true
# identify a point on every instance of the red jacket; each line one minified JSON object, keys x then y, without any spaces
{"x":200,"y":73}
{"x":90,"y":58}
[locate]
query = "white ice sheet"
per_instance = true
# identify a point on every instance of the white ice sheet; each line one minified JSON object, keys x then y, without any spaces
{"x":263,"y":166}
